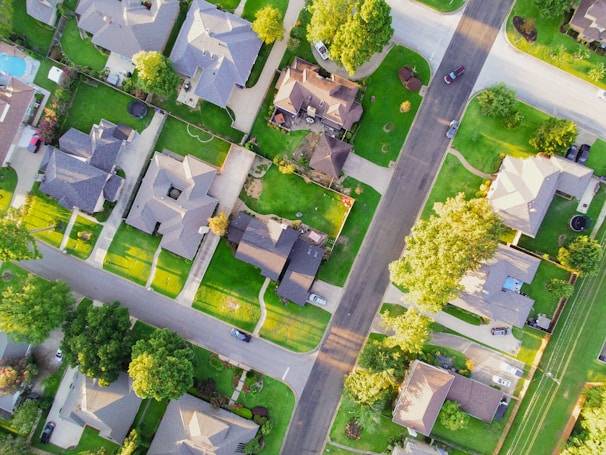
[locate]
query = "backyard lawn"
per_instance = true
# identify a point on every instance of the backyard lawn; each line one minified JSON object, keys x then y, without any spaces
{"x":383,"y":128}
{"x":230,"y":289}
{"x":149,"y":416}
{"x":226,"y":5}
{"x":171,"y":274}
{"x":89,"y":442}
{"x":597,"y":158}
{"x":44,"y":212}
{"x":38,"y":35}
{"x":544,"y":303}
{"x":79,"y":247}
{"x":8,"y":183}
{"x":80,"y":51}
{"x":184,"y":139}
{"x":42,"y":79}
{"x":131,"y":253}
{"x":285,"y":195}
{"x":291,"y":326}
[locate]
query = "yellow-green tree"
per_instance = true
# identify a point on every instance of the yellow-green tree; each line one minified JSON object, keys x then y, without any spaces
{"x":154,"y":73}
{"x":218,"y":224}
{"x":268,"y":24}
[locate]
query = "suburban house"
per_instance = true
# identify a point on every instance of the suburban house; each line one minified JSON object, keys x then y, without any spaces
{"x":303,"y":90}
{"x":493,"y":291}
{"x":81,"y":173}
{"x":191,"y":426}
{"x":15,"y":101}
{"x":426,"y":388}
{"x":215,"y":51}
{"x":110,"y":409}
{"x":416,"y":447}
{"x":43,"y":10}
{"x":125,"y":27}
{"x":524,"y":189}
{"x":173,"y":201}
{"x":329,"y":155}
{"x":10,"y":350}
{"x":589,"y":20}
{"x":280,"y":252}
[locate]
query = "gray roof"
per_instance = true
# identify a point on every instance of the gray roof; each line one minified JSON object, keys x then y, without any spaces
{"x":476,"y":399}
{"x":43,"y":10}
{"x":484,"y":291}
{"x":574,"y":177}
{"x":192,"y":426}
{"x":329,"y":155}
{"x":15,"y":98}
{"x":219,"y":43}
{"x":589,"y":19}
{"x":182,"y":212}
{"x":127,"y":26}
{"x":303,"y":264}
{"x":76,"y":143}
{"x":416,"y":447}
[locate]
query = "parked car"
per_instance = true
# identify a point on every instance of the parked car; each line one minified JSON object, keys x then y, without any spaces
{"x":452,"y":130}
{"x":583,"y":155}
{"x":34,"y":143}
{"x":47,"y":432}
{"x":500,"y":331}
{"x":510,"y":369}
{"x":240,"y":335}
{"x":59,"y":355}
{"x":572,"y":152}
{"x":321,"y":48}
{"x":602,"y":94}
{"x":454,"y":74}
{"x":315,"y":298}
{"x":501,"y":381}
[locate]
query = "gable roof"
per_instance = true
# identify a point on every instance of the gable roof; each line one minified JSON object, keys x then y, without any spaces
{"x":221,"y":45}
{"x":191,"y":426}
{"x":15,"y":100}
{"x":43,"y":10}
{"x":486,"y":293}
{"x":476,"y":399}
{"x":333,"y":98}
{"x":329,"y":155}
{"x":303,"y":264}
{"x":127,"y":26}
{"x":589,"y":19}
{"x":175,"y":194}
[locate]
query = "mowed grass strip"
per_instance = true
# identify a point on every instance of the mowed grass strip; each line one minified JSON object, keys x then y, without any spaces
{"x":44,"y":212}
{"x":38,"y":35}
{"x":131,"y":253}
{"x":293,"y":327}
{"x":230,"y":289}
{"x":79,"y":247}
{"x":8,"y":183}
{"x":171,"y":274}
{"x":81,"y":51}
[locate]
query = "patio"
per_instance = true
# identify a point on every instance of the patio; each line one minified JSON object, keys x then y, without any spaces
{"x":301,"y":122}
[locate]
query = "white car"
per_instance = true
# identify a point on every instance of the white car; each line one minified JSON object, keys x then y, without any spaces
{"x":321,"y":48}
{"x":602,"y":94}
{"x":314,"y":298}
{"x":511,"y":370}
{"x":501,"y":381}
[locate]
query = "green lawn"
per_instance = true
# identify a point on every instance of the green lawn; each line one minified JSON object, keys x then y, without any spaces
{"x":597,"y":158}
{"x":131,"y":253}
{"x":544,"y":302}
{"x":183,"y":6}
{"x":90,"y":441}
{"x":44,"y":212}
{"x":383,"y":128}
{"x":149,"y":416}
{"x":334,"y":450}
{"x":230,"y":289}
{"x":171,"y":274}
{"x":531,"y":342}
{"x":93,"y":103}
{"x":552,"y":46}
{"x":444,"y":6}
{"x":80,"y":51}
{"x":284,"y":195}
{"x":8,"y":183}
{"x":38,"y":35}
{"x":463,"y":315}
{"x":203,"y":370}
{"x":226,"y":5}
{"x":83,"y":248}
{"x":483,"y":139}
{"x":336,"y":269}
{"x":185,"y":139}
{"x":42,"y":79}
{"x":17,"y":274}
{"x":280,"y":402}
{"x":293,"y":327}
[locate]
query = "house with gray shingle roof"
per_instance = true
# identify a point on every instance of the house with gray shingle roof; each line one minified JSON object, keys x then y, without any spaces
{"x":190,"y":426}
{"x":216,"y":50}
{"x":43,"y":10}
{"x":128,"y":26}
{"x":15,"y":101}
{"x":589,"y":20}
{"x":10,"y":350}
{"x":329,"y":155}
{"x":173,"y":201}
{"x":301,"y":268}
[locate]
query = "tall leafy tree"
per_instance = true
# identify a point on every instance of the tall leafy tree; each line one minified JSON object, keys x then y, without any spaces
{"x":25,"y":417}
{"x":367,"y":388}
{"x":452,"y":417}
{"x":410,"y":331}
{"x":32,"y":307}
{"x":155,"y":73}
{"x":583,"y":254}
{"x":16,"y":242}
{"x":98,"y":340}
{"x":6,"y":18}
{"x":162,"y":366}
{"x":592,"y":439}
{"x":268,"y":24}
{"x":14,"y":445}
{"x":327,"y":16}
{"x":554,"y":136}
{"x":497,"y":101}
{"x":553,"y":8}
{"x":16,"y":373}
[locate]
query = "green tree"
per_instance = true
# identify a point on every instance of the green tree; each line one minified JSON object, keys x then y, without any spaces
{"x":452,"y":417}
{"x":252,"y":447}
{"x":130,"y":444}
{"x":327,"y":16}
{"x":268,"y":24}
{"x":367,"y":388}
{"x":218,"y":224}
{"x":162,"y":366}
{"x":559,"y":288}
{"x":498,"y":101}
{"x":14,"y":445}
{"x":377,"y":357}
{"x":554,"y":136}
{"x":155,"y":73}
{"x":16,"y":373}
{"x":597,"y":72}
{"x":439,"y":251}
{"x":592,"y":439}
{"x":31,"y":308}
{"x":411,"y":330}
{"x":16,"y":242}
{"x":97,"y":340}
{"x":6,"y":18}
{"x":583,"y":255}
{"x":553,"y":8}
{"x":25,"y":417}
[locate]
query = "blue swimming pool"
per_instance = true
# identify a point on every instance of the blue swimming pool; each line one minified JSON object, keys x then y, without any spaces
{"x":15,"y":66}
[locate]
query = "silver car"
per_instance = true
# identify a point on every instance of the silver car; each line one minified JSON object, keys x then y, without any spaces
{"x":452,"y":130}
{"x":501,"y":381}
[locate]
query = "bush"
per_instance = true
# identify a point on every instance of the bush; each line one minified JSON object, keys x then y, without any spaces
{"x":353,"y":430}
{"x":216,"y":363}
{"x":242,"y":412}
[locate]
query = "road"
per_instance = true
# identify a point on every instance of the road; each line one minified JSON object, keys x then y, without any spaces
{"x":417,"y":167}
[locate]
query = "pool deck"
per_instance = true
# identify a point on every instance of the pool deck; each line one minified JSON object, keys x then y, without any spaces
{"x":31,"y":65}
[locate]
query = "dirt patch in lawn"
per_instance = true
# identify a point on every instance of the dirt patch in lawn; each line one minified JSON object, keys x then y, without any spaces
{"x":231,"y":305}
{"x":254,"y":188}
{"x":305,"y":150}
{"x":526,"y":28}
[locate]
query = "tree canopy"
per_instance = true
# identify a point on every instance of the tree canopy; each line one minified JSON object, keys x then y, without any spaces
{"x":583,"y":255}
{"x":591,"y":439}
{"x":411,"y":330}
{"x":268,"y":24}
{"x":30,"y":308}
{"x":554,"y":136}
{"x":376,"y":357}
{"x":98,"y":340}
{"x":559,"y":288}
{"x":497,"y":101}
{"x":16,"y":242}
{"x":439,"y":251}
{"x":162,"y":366}
{"x":553,"y":8}
{"x":6,"y":18}
{"x":14,"y":445}
{"x":25,"y":417}
{"x":326,"y":18}
{"x":16,"y":373}
{"x":452,"y":417}
{"x":155,"y":73}
{"x":218,"y":224}
{"x":367,"y":388}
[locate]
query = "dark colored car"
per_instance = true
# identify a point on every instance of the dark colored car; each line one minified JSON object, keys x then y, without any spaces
{"x":34,"y":143}
{"x":500,"y":331}
{"x":572,"y":152}
{"x":452,"y":130}
{"x":240,"y":335}
{"x":454,"y":74}
{"x":47,"y":432}
{"x":583,"y":154}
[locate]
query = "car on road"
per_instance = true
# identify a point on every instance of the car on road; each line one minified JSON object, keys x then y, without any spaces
{"x":47,"y":432}
{"x":34,"y":143}
{"x":602,"y":94}
{"x":59,"y":355}
{"x":572,"y":152}
{"x":500,"y":331}
{"x":510,"y":369}
{"x":501,"y":381}
{"x":583,"y":155}
{"x":240,"y":335}
{"x":452,"y":130}
{"x":450,"y":77}
{"x":315,"y":298}
{"x":321,"y":48}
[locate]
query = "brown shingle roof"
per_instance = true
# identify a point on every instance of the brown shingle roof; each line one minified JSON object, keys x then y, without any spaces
{"x":329,"y":155}
{"x":15,"y":98}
